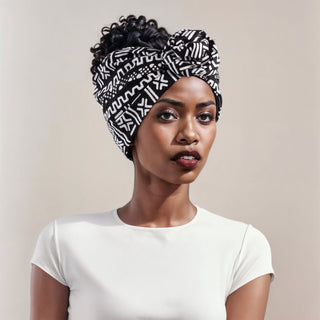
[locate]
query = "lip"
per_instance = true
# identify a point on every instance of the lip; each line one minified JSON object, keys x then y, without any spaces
{"x":187,"y":163}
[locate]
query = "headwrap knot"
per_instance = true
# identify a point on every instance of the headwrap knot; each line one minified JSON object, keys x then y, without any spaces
{"x":192,"y":53}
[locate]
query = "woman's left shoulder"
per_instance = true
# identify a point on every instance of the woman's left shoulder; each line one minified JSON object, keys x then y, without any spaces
{"x":222,"y":223}
{"x":231,"y":227}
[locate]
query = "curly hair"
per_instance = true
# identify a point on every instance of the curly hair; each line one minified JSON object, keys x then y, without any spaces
{"x":131,"y":32}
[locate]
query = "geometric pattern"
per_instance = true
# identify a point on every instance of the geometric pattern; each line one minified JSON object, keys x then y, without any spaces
{"x":129,"y":81}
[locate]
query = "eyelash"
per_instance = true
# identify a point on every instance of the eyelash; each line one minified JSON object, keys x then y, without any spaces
{"x":160,"y":115}
{"x":209,"y":116}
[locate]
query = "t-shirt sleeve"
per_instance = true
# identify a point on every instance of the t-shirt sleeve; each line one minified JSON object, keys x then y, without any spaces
{"x":254,"y":259}
{"x":46,"y":254}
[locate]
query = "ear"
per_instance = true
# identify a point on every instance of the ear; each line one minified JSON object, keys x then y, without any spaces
{"x":132,"y":150}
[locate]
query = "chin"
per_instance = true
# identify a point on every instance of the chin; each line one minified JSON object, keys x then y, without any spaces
{"x":186,"y":178}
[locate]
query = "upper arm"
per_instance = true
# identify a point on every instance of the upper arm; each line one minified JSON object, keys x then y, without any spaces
{"x":249,"y":302}
{"x":49,"y":297}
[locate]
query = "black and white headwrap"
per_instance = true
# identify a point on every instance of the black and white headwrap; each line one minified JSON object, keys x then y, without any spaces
{"x":129,"y":81}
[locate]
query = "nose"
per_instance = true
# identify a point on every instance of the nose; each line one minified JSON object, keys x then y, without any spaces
{"x":188,"y":133}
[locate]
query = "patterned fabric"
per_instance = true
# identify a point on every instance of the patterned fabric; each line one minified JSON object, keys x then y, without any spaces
{"x":129,"y":81}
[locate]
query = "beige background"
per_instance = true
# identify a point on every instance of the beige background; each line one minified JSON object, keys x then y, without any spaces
{"x":57,"y":157}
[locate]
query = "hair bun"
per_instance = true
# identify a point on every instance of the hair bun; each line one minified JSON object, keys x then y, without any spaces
{"x":131,"y":32}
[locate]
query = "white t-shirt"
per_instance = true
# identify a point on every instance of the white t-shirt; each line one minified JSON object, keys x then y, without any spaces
{"x":119,"y":271}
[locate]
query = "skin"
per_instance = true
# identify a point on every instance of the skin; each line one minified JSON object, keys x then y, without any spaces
{"x":49,"y":298}
{"x":182,"y":119}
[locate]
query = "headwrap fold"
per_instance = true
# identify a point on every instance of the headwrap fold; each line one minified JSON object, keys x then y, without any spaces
{"x":129,"y":81}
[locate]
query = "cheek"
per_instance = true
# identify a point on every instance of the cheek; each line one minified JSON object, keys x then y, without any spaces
{"x":213,"y":136}
{"x":157,"y":137}
{"x":209,"y":137}
{"x":151,"y":141}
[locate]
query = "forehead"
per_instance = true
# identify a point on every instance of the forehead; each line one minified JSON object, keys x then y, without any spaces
{"x":187,"y":88}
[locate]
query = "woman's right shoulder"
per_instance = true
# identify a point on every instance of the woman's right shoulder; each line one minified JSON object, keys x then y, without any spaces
{"x":78,"y":221}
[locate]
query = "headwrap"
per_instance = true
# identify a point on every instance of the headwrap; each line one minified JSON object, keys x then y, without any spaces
{"x":129,"y":81}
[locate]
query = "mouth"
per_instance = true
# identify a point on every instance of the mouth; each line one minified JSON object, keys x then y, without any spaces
{"x":187,"y":159}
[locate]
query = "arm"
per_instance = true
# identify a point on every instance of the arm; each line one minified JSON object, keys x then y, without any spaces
{"x":249,"y":302}
{"x":49,"y":298}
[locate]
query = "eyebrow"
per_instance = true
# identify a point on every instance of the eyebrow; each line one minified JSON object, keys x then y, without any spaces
{"x":181,"y":104}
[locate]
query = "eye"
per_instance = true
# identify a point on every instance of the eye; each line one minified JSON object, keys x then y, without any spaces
{"x":166,"y":116}
{"x":206,"y":117}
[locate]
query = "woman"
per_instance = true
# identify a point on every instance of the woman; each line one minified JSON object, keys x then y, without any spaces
{"x":159,"y":256}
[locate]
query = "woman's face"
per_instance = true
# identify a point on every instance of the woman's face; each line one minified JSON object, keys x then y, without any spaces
{"x":174,"y":140}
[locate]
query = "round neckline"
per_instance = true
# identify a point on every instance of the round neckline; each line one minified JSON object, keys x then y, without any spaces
{"x":116,"y":216}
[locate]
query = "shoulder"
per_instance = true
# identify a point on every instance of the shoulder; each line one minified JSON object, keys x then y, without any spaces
{"x":77,"y":223}
{"x":232,"y":231}
{"x":86,"y":218}
{"x":251,"y":253}
{"x":222,"y":224}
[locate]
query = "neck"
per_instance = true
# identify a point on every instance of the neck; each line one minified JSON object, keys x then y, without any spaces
{"x":157,"y":203}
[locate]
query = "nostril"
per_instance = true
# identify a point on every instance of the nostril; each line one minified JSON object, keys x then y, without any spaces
{"x":183,"y":140}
